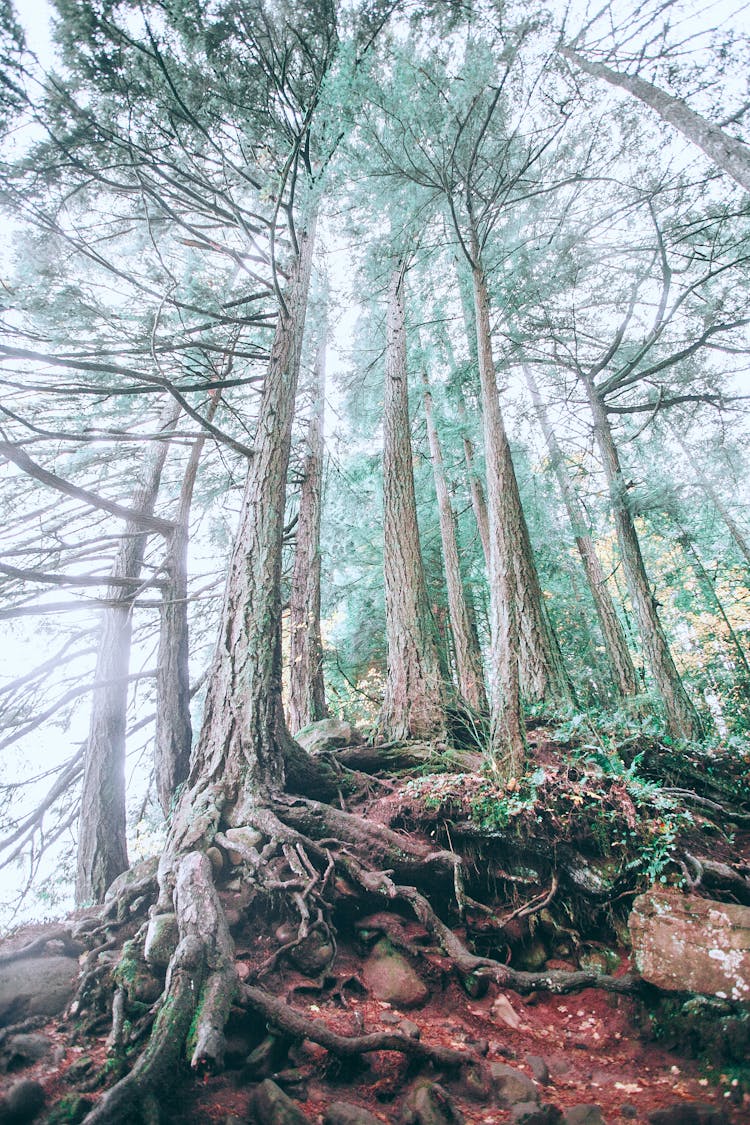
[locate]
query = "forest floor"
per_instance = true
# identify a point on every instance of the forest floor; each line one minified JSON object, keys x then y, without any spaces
{"x":588,"y":1047}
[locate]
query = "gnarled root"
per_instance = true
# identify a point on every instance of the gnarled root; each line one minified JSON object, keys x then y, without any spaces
{"x":287,"y":1019}
{"x":199,"y":988}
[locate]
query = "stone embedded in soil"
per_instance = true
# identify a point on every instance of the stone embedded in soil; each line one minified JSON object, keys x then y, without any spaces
{"x":23,"y":1050}
{"x":687,"y":944}
{"x":429,"y":1104}
{"x":539,"y":1069}
{"x":22,"y":1103}
{"x":271,"y":1106}
{"x":344,"y":1113}
{"x":162,"y":936}
{"x":327,"y":734}
{"x":409,"y":1029}
{"x":689,"y":1113}
{"x":531,"y":1113}
{"x":511,"y":1085}
{"x":390,"y":977}
{"x":245,"y":838}
{"x":503,"y":1010}
{"x":584,"y":1115}
{"x":313,"y":954}
{"x":36,"y":986}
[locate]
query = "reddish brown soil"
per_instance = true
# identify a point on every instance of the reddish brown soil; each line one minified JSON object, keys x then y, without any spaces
{"x":588,"y":1040}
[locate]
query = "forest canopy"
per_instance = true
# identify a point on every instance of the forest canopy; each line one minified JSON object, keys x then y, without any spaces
{"x":155,"y":181}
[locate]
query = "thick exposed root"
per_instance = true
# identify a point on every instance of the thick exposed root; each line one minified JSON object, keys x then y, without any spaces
{"x":287,"y":1019}
{"x":198,"y":993}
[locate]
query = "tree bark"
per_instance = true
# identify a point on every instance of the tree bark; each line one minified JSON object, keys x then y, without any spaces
{"x":508,"y":737}
{"x":307,"y":701}
{"x":682,"y":717}
{"x":737,"y":536}
{"x":102,"y":845}
{"x":174,"y":731}
{"x":468,"y":657}
{"x":478,"y":502}
{"x":543,"y":676}
{"x":413,"y":706}
{"x":615,"y":642}
{"x":239,"y":755}
{"x":729,"y":154}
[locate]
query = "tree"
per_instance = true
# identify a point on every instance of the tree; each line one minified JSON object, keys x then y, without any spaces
{"x":307,"y":702}
{"x":468,"y":656}
{"x":414,"y":703}
{"x":102,"y":847}
{"x":615,"y":642}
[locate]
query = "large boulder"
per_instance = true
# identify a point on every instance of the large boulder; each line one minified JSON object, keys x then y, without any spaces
{"x":390,"y":977}
{"x":36,"y":986}
{"x":326,"y":735}
{"x":687,"y":944}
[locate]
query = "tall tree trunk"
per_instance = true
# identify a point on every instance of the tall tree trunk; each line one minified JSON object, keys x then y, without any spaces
{"x":508,"y":735}
{"x":174,"y":731}
{"x":543,"y":676}
{"x":728,"y":153}
{"x":478,"y":502}
{"x":307,"y":701}
{"x":615,"y":642}
{"x":102,"y":844}
{"x":468,"y":657}
{"x":682,"y":717}
{"x":239,"y":755}
{"x":736,"y":534}
{"x":414,"y":696}
{"x":687,"y":543}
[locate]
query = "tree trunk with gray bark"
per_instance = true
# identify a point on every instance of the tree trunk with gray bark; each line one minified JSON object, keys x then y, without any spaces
{"x":102,"y":844}
{"x":307,"y":701}
{"x":468,"y":657}
{"x":681,"y":715}
{"x":414,"y":704}
{"x":615,"y":642}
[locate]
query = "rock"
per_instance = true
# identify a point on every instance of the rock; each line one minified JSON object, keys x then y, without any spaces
{"x":531,"y":1113}
{"x":503,"y":1010}
{"x":326,"y":735}
{"x":245,"y":838}
{"x":36,"y":986}
{"x":629,"y":1111}
{"x":409,"y":1029}
{"x":144,"y":869}
{"x":271,"y":1106}
{"x":79,"y":1069}
{"x":689,"y":1113}
{"x":216,"y":858}
{"x":343,"y":1113}
{"x":687,"y":944}
{"x":474,"y":1082}
{"x":602,"y":961}
{"x":481,"y":1046}
{"x":232,"y":1119}
{"x":534,"y":956}
{"x":390,"y":977}
{"x":539,"y":1069}
{"x":313,"y":954}
{"x":512,"y":1087}
{"x":22,"y":1103}
{"x":162,"y":936}
{"x":430,"y":1104}
{"x":22,"y":1050}
{"x":584,"y":1115}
